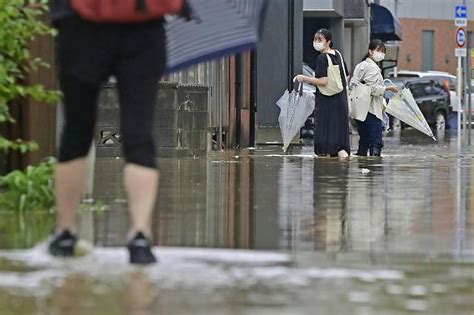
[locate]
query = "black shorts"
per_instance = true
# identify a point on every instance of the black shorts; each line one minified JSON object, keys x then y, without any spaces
{"x":88,"y":53}
{"x":93,"y":51}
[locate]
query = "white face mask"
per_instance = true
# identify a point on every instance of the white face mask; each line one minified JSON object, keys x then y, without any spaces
{"x":378,"y":56}
{"x":318,"y":46}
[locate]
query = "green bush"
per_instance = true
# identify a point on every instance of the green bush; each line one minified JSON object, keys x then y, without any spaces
{"x":20,"y":23}
{"x":31,"y":189}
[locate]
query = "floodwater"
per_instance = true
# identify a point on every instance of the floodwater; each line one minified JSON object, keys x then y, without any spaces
{"x":256,"y":231}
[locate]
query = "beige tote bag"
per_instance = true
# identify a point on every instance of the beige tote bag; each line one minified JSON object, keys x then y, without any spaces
{"x":334,"y":85}
{"x":359,"y":101}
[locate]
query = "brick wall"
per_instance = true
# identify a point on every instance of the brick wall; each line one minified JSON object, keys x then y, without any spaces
{"x":444,"y":42}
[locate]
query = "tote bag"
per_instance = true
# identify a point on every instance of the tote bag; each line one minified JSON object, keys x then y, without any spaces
{"x":359,"y":100}
{"x":334,"y":85}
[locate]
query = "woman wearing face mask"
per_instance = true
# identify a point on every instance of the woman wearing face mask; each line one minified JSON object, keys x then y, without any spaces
{"x":368,"y":72}
{"x":331,"y":125}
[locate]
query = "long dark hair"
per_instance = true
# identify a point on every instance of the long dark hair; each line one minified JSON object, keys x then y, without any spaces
{"x":375,"y":44}
{"x":327,"y":36}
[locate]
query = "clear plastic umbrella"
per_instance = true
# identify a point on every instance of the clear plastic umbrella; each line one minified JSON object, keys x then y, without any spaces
{"x":295,"y":107}
{"x":404,"y":107}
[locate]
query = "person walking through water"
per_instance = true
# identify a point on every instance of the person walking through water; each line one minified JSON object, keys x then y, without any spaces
{"x":368,"y":72}
{"x":331,"y":122}
{"x":88,"y":53}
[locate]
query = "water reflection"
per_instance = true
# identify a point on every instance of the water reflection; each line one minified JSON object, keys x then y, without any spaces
{"x":364,"y":236}
{"x":141,"y":295}
{"x":24,"y":229}
{"x":295,"y":203}
{"x":405,"y":202}
{"x":331,"y":200}
{"x":417,"y":198}
{"x":202,"y":202}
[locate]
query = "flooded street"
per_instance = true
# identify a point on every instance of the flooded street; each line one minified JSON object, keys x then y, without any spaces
{"x":259,"y":232}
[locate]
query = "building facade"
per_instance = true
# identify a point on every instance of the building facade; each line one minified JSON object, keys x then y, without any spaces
{"x":429,"y":33}
{"x":288,"y":42}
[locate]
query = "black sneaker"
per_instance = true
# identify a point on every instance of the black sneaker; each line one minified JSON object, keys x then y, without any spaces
{"x":140,"y":250}
{"x":62,"y":244}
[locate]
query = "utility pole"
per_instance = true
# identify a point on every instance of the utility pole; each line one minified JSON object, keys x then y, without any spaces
{"x":460,"y":20}
{"x":395,"y":11}
{"x":468,"y":78}
{"x":469,"y":89}
{"x":368,"y":19}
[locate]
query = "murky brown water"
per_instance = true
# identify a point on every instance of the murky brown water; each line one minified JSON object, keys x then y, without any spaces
{"x":316,"y":236}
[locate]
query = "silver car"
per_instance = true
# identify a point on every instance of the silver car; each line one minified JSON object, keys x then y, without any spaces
{"x":308,"y":71}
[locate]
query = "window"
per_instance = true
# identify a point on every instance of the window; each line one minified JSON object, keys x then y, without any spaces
{"x":453,"y":84}
{"x":427,"y":51}
{"x":439,"y":88}
{"x":420,"y":89}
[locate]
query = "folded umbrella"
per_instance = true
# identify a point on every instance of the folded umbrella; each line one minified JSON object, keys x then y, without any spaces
{"x":217,"y":28}
{"x":295,"y":107}
{"x":404,"y":107}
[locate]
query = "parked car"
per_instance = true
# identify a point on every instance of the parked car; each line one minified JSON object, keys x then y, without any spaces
{"x":308,"y":71}
{"x":307,"y":131}
{"x":450,"y":80}
{"x":432,"y":96}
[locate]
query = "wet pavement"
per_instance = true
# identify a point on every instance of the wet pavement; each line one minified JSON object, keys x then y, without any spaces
{"x":314,"y":236}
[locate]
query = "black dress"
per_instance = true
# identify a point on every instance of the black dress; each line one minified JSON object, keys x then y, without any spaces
{"x":331,"y":117}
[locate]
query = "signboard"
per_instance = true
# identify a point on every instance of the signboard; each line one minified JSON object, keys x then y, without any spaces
{"x":460,"y":11}
{"x":460,"y":52}
{"x":461,"y":37}
{"x":460,"y":22}
{"x":460,"y":15}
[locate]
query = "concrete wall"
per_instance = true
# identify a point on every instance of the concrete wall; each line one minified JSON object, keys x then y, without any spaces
{"x":274,"y":67}
{"x":356,"y":31}
{"x":337,"y":29}
{"x":355,"y":9}
{"x":356,"y":39}
{"x":324,"y":5}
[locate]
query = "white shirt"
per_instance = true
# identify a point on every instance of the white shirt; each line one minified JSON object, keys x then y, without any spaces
{"x":369,"y":72}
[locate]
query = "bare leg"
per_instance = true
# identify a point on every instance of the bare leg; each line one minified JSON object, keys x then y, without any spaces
{"x":141,"y":185}
{"x":69,"y":187}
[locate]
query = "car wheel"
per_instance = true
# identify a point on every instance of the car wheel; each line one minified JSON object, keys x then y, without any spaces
{"x":440,"y":122}
{"x":396,"y":124}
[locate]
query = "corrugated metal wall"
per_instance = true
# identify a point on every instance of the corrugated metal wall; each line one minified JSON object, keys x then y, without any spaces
{"x":214,"y":75}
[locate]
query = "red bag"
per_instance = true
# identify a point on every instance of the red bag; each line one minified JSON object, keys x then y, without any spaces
{"x":125,"y":11}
